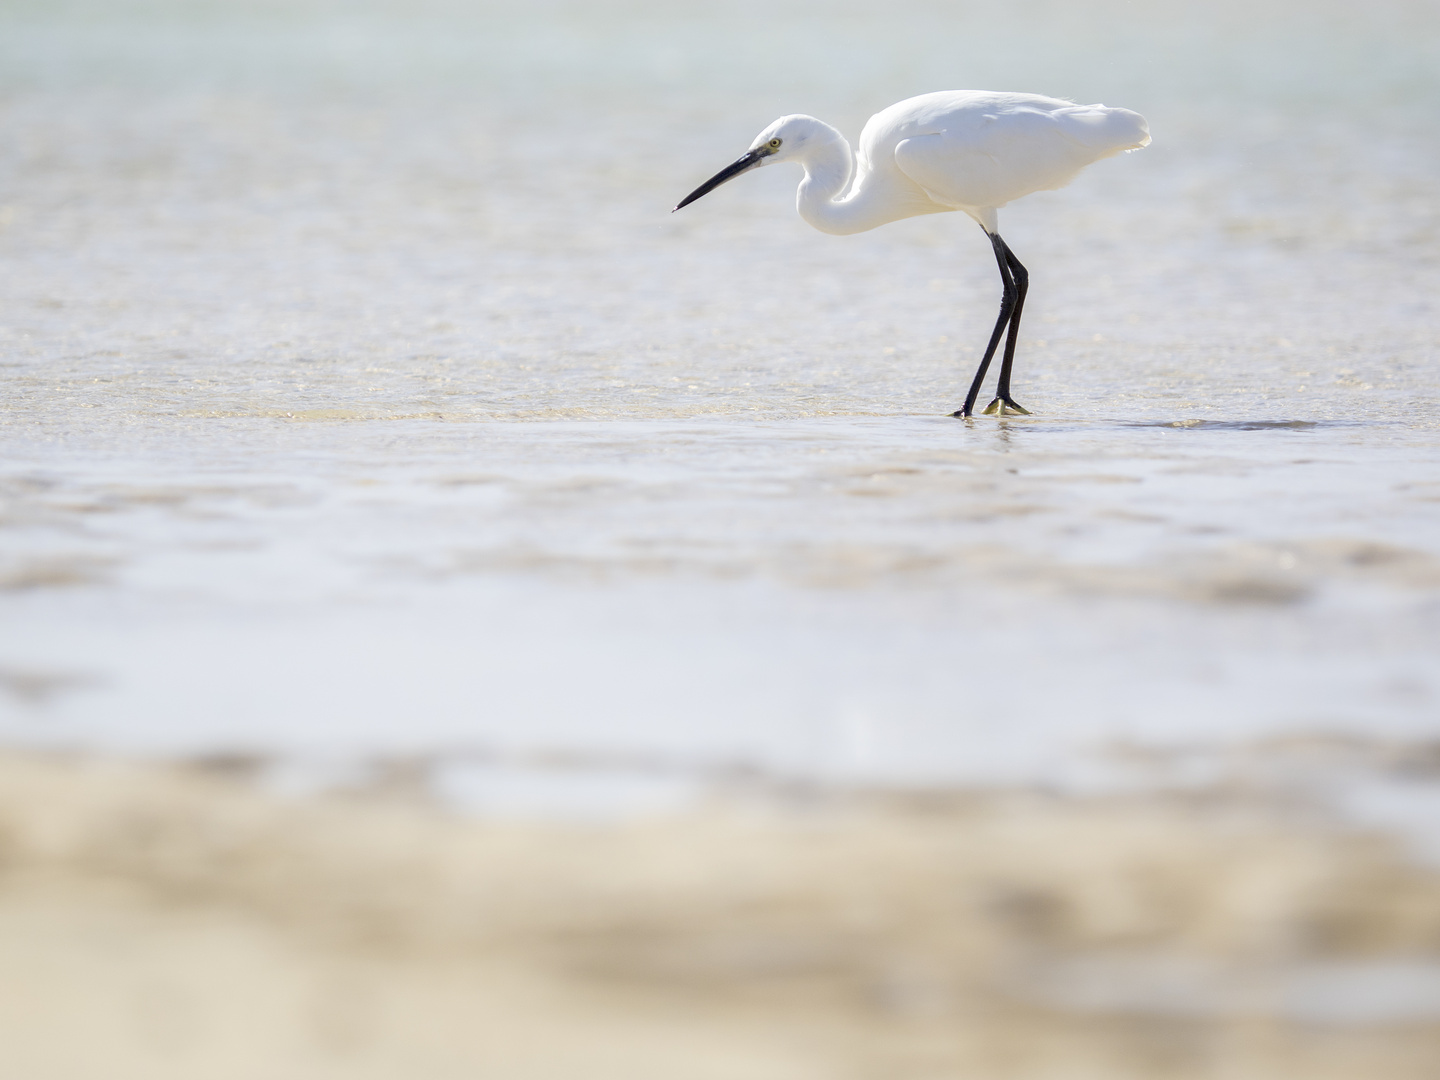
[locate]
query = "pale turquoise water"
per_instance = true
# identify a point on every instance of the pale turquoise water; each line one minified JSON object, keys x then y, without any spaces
{"x":362,"y":395}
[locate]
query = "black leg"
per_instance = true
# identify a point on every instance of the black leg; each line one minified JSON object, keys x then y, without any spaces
{"x":1003,"y":400}
{"x":1007,"y":305}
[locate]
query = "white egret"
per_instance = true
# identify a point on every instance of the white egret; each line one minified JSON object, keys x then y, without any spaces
{"x":969,"y":150}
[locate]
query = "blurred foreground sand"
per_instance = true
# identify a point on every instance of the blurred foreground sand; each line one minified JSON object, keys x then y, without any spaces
{"x":178,"y":921}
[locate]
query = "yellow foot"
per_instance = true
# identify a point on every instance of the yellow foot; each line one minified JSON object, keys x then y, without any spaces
{"x":1002,"y":407}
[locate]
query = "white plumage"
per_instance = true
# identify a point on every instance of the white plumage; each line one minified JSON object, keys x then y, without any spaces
{"x":967,"y":150}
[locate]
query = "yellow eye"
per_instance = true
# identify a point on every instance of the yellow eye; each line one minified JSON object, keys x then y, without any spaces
{"x":773,"y":144}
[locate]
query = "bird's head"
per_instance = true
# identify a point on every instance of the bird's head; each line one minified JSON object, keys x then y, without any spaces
{"x":785,"y":140}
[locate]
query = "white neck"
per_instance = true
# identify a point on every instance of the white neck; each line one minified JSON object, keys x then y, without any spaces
{"x":829,"y":165}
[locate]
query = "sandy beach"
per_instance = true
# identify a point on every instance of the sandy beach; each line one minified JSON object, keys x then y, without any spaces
{"x":181,"y":921}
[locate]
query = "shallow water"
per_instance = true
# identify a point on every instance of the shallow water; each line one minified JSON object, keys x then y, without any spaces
{"x":362,"y":397}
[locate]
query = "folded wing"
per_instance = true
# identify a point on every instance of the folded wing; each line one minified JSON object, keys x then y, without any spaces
{"x":989,"y":153}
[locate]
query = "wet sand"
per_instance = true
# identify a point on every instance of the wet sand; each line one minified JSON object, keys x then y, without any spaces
{"x":182,"y":921}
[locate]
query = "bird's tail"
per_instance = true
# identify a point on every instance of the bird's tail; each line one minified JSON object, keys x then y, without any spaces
{"x":1106,"y":131}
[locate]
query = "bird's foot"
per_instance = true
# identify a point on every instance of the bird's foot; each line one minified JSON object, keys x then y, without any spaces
{"x":1003,"y":406}
{"x":961,"y":414}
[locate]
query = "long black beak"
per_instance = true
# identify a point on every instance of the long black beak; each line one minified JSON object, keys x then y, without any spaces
{"x":749,"y":161}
